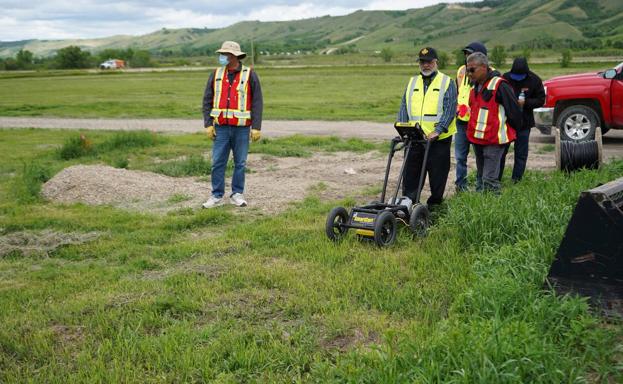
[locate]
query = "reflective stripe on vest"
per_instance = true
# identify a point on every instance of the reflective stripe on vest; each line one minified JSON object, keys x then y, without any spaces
{"x":427,"y":108}
{"x":463,"y":88}
{"x":240,"y":113}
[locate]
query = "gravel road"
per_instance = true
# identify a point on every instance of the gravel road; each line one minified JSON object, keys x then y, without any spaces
{"x":613,"y":140}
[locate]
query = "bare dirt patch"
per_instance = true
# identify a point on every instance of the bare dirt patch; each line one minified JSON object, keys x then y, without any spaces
{"x":350,"y":339}
{"x":41,"y":242}
{"x":271,"y":186}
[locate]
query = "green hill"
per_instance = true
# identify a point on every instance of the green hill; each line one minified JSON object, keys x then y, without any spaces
{"x":530,"y":24}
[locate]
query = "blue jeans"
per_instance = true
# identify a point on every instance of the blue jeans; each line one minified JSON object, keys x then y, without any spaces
{"x":234,"y":139}
{"x":461,"y":150}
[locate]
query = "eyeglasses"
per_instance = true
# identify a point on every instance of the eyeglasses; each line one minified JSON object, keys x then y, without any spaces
{"x":472,"y":69}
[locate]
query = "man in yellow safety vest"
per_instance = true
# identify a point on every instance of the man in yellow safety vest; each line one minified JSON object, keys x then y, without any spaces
{"x":461,"y":144}
{"x":430,"y":100}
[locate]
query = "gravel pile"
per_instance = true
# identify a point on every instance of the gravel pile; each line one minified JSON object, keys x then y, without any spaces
{"x":134,"y":190}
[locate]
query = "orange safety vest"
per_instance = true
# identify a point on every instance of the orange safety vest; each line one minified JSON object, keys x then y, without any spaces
{"x":231,"y":104}
{"x":487,"y":123}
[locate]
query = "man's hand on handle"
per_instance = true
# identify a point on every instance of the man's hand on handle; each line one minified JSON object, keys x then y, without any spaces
{"x":432,"y":136}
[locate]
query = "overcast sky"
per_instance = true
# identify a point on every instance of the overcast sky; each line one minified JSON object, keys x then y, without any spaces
{"x":64,"y":19}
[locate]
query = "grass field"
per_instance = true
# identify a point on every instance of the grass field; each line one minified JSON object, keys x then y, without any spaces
{"x":217,"y":296}
{"x":369,"y":93}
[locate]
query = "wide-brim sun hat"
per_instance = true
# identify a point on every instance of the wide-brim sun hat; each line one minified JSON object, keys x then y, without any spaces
{"x":233,"y":48}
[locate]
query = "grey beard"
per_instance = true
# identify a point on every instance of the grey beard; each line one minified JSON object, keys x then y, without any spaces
{"x":426,"y":73}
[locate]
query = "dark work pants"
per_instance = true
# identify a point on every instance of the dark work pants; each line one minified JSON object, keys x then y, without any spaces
{"x":520,"y":155}
{"x":438,"y":167}
{"x":488,"y":159}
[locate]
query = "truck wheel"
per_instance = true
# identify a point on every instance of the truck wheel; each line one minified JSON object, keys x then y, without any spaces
{"x":577,"y":123}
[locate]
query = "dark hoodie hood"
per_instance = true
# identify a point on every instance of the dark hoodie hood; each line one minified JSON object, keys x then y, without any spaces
{"x":476,"y":46}
{"x":520,"y":66}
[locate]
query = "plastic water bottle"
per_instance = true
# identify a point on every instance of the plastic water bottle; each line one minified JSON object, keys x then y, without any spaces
{"x":522,"y":97}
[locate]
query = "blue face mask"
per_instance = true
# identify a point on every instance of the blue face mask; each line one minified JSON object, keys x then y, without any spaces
{"x":223,"y":60}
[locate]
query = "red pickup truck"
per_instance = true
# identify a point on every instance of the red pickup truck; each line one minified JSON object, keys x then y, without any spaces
{"x":577,"y":104}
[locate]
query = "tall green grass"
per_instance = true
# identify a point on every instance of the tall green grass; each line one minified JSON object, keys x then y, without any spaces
{"x":193,"y":165}
{"x":81,"y":145}
{"x":26,"y":185}
{"x":305,"y":146}
{"x":230,"y":295}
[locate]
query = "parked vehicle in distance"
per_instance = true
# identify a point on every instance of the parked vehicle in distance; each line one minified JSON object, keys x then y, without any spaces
{"x":577,"y":104}
{"x":112,"y":64}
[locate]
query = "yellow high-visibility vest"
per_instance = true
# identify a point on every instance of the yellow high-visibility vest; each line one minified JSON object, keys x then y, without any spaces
{"x":463,"y":88}
{"x":427,"y":109}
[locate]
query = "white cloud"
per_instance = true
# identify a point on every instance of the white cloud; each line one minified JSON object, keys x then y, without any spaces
{"x":62,"y":19}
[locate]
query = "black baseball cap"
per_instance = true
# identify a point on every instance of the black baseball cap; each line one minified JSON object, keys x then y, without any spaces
{"x":427,"y":54}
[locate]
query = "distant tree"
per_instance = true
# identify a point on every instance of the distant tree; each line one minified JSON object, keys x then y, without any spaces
{"x":24,"y":59}
{"x":10,"y":64}
{"x":255,"y":54}
{"x":73,"y":57}
{"x":442,"y":59}
{"x":141,"y":58}
{"x":459,"y":58}
{"x":498,"y":56}
{"x":565,"y":58}
{"x":387,"y":54}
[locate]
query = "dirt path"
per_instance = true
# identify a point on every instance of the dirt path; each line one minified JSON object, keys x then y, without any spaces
{"x":272,"y":184}
{"x":270,"y":128}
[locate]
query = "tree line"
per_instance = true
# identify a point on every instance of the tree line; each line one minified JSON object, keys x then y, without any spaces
{"x":73,"y":57}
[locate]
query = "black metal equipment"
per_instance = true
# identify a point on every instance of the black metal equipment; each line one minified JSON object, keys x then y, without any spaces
{"x":378,"y":219}
{"x":589,"y":261}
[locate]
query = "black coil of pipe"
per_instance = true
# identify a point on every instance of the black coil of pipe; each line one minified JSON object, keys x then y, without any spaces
{"x":574,"y":156}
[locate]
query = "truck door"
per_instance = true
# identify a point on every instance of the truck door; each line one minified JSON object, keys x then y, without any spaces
{"x":616,"y":94}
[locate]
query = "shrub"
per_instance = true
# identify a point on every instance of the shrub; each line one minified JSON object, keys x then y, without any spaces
{"x":75,"y":147}
{"x":498,"y":56}
{"x":387,"y":54}
{"x":565,"y":58}
{"x":126,"y":140}
{"x":443,"y":59}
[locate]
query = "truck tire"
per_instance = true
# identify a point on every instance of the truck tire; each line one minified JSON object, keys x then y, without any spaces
{"x":577,"y":123}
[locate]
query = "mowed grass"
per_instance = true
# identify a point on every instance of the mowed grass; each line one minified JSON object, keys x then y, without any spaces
{"x":216,"y":296}
{"x":370,"y":93}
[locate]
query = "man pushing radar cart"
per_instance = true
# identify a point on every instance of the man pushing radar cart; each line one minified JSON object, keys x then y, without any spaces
{"x":377,"y":220}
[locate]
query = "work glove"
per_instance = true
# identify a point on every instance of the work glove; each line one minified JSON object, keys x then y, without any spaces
{"x":211,"y":132}
{"x":255,"y":135}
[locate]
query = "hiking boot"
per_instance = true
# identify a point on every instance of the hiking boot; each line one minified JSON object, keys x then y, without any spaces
{"x":238,"y":200}
{"x":212,"y":202}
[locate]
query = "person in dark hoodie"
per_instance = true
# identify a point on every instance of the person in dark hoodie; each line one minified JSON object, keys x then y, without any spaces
{"x":530,"y":94}
{"x":461,"y":144}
